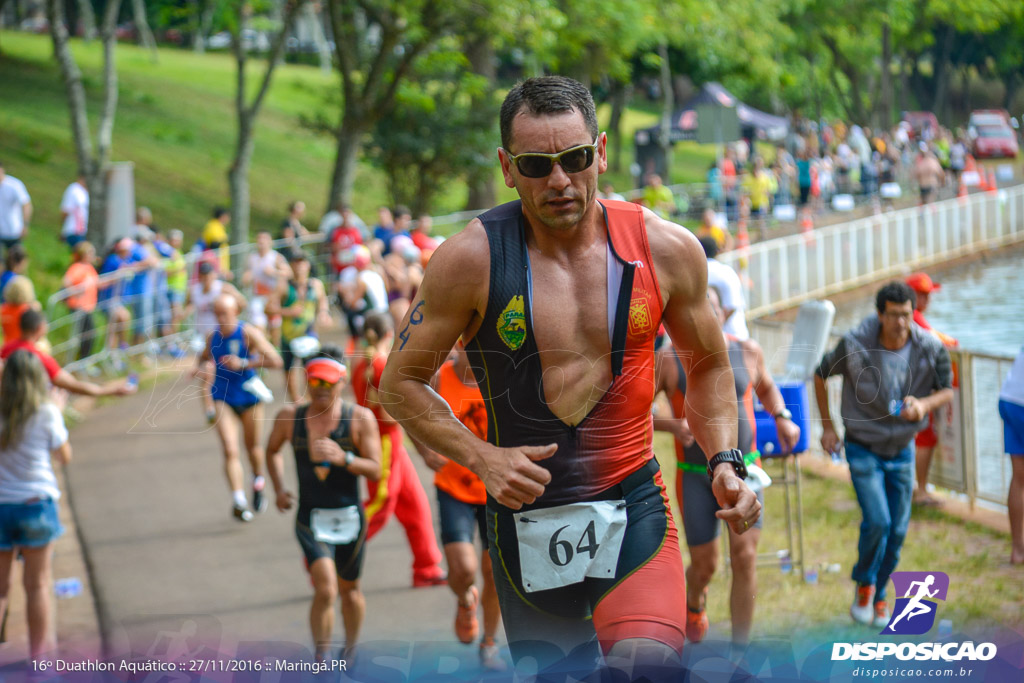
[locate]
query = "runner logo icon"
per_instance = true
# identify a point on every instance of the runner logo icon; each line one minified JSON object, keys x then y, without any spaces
{"x":914,"y":613}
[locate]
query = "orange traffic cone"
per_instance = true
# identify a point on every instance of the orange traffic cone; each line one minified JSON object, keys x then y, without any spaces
{"x":982,"y":181}
{"x":993,"y":186}
{"x":961,"y":192}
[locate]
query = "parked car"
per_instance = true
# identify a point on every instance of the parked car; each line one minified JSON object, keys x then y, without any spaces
{"x":252,"y":41}
{"x":989,"y":117}
{"x":994,"y":140}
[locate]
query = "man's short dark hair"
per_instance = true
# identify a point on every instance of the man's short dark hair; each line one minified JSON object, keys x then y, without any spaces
{"x":402,"y":210}
{"x":710,"y":246}
{"x":297,"y":255}
{"x":30,"y":322}
{"x":219,"y":211}
{"x":897,"y":292}
{"x":15,"y":255}
{"x":547,"y":95}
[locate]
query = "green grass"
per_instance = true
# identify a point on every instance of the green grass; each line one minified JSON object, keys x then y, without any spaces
{"x":984,"y":589}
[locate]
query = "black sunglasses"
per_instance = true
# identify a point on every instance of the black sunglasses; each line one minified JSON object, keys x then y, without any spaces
{"x":540,"y":165}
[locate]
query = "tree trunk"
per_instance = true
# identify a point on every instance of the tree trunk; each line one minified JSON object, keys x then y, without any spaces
{"x":939,"y":104}
{"x":350,"y":136}
{"x":238,"y":173}
{"x":146,"y":38}
{"x":88,"y":19}
{"x":620,"y":94}
{"x":72,"y":76}
{"x":885,"y":101}
{"x":238,"y":184}
{"x":480,"y":53}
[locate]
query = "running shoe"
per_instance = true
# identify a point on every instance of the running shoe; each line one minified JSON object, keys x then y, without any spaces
{"x":175,"y":352}
{"x":696,"y":625}
{"x":490,"y":657}
{"x":466,"y":625}
{"x":259,"y":501}
{"x":426,"y":580}
{"x":881,"y":614}
{"x":862,"y":610}
{"x":242,"y":514}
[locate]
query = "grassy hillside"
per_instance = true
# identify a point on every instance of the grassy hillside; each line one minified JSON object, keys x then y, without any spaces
{"x":175,"y":122}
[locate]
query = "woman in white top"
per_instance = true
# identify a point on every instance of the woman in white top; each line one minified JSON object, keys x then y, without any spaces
{"x":31,"y":432}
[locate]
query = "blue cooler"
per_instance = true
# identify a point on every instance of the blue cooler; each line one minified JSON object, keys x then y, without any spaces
{"x":795,"y":396}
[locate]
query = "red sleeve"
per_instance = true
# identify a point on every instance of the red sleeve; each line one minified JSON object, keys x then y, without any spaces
{"x":52,"y":366}
{"x":378,"y":369}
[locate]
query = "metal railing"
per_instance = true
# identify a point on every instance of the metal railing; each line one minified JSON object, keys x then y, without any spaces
{"x":64,"y":322}
{"x":784,"y":272}
{"x":970,"y":458}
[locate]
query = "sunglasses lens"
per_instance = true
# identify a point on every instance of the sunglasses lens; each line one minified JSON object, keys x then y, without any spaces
{"x":317,"y":383}
{"x":534,"y":166}
{"x":577,"y":160}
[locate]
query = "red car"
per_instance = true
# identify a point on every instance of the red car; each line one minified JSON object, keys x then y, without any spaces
{"x":995,"y":140}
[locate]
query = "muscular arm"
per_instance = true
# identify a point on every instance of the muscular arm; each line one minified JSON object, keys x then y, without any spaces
{"x":367,"y":440}
{"x":682,"y":275}
{"x":711,"y":412}
{"x":268,"y":355}
{"x":452,"y":298}
{"x":280,"y":434}
{"x":451,"y":302}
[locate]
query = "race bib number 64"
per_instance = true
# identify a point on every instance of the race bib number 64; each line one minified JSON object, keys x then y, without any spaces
{"x":562,"y":545}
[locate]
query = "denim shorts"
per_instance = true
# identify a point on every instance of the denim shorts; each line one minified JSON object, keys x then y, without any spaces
{"x":29,"y":525}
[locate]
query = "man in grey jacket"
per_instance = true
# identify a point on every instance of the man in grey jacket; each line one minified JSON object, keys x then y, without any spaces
{"x":894,"y":375}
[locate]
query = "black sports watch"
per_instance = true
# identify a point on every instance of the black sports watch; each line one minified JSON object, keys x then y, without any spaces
{"x":734,"y":457}
{"x":784,"y":414}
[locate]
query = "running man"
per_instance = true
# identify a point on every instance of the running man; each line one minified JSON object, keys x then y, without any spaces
{"x":560,"y":323}
{"x":693,"y":490}
{"x":399,"y":492}
{"x":200,"y":300}
{"x":264,"y":272}
{"x":334,"y":443}
{"x":914,"y":607}
{"x":302,"y":304}
{"x":236,"y":350}
{"x":461,"y":500}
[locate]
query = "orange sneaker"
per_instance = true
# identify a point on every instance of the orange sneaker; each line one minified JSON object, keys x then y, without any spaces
{"x":466,"y":625}
{"x":696,"y":625}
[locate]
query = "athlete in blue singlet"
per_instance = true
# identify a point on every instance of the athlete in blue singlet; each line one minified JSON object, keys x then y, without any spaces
{"x":235,"y":350}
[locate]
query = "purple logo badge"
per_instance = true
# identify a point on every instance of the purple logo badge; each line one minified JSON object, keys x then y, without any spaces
{"x":914,"y":612}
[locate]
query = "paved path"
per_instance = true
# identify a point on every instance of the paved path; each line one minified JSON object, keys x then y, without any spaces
{"x":168,"y":558}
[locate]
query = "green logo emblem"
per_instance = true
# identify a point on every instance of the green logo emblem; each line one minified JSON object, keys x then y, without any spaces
{"x":512,"y":324}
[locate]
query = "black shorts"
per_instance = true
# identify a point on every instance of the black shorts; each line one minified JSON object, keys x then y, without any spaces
{"x":348,"y":558}
{"x":699,"y":507}
{"x":644,"y":599}
{"x":458,"y":520}
{"x":287,"y":357}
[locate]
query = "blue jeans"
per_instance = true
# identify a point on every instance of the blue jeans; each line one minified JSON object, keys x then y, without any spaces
{"x":884,"y":487}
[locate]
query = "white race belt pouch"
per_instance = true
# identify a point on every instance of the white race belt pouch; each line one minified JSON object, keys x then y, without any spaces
{"x":337,"y":526}
{"x":562,"y":545}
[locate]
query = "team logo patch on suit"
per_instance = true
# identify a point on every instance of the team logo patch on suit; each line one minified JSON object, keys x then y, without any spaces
{"x":641,"y":322}
{"x":512,"y":323}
